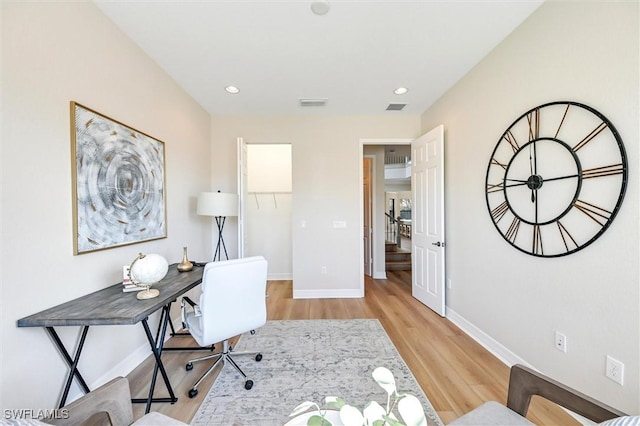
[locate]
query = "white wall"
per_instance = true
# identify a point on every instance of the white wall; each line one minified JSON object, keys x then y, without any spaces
{"x":581,"y":51}
{"x":55,"y":52}
{"x":326,"y":165}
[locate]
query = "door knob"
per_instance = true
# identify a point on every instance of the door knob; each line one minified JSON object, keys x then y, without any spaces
{"x":438,"y":244}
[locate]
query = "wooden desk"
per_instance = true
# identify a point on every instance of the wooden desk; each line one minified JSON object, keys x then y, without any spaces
{"x":111,"y":306}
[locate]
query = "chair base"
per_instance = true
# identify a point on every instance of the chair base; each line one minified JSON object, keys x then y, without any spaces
{"x":225,"y":357}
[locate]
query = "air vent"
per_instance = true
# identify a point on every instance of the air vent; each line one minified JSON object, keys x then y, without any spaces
{"x":396,"y":107}
{"x":313,"y":102}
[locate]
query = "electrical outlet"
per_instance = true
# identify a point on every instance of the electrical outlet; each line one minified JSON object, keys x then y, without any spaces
{"x":615,"y":370}
{"x":323,"y":270}
{"x":449,"y":283}
{"x":561,"y":342}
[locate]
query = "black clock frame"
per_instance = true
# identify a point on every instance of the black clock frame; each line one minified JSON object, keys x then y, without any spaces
{"x":536,"y":182}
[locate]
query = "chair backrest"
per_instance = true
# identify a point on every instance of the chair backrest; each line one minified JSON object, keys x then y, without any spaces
{"x":109,"y":404}
{"x":233,"y":298}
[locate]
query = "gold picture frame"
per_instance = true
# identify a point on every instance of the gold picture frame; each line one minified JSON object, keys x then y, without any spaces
{"x":119,"y":195}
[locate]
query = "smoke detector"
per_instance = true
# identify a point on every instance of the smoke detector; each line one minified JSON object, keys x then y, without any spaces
{"x":320,"y":7}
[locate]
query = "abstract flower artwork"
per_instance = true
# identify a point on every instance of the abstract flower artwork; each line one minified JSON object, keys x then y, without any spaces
{"x":118,"y":183}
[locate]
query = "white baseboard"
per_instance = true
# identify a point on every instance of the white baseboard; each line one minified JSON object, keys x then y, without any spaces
{"x":280,"y":276}
{"x":500,"y":351}
{"x":379,"y":276}
{"x":489,"y":343}
{"x":327,"y":294}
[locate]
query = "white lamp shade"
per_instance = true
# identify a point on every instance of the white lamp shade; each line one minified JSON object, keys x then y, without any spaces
{"x":217,"y":204}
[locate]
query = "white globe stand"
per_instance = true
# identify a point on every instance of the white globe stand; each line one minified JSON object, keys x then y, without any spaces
{"x":146,"y":270}
{"x":148,"y":293}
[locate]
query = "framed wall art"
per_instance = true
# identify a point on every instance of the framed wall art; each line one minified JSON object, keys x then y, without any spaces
{"x":118,"y":183}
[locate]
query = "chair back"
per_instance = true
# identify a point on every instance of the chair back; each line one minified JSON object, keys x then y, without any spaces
{"x":233,"y":298}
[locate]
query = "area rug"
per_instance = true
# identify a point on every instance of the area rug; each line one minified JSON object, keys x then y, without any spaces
{"x":306,"y":360}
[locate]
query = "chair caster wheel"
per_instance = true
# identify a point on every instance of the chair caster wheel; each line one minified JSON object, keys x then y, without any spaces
{"x":248,"y":384}
{"x":189,"y":366}
{"x":193,"y":393}
{"x":259,"y":357}
{"x":252,"y":332}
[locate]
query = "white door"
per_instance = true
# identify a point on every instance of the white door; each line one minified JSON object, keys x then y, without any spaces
{"x":427,"y":231}
{"x":242,"y":195}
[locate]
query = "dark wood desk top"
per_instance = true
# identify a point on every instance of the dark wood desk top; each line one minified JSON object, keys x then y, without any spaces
{"x":111,"y":306}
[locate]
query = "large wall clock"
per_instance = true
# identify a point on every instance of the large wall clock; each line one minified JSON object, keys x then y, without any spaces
{"x":556,"y":179}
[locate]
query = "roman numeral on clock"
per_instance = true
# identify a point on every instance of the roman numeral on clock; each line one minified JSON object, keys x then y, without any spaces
{"x":508,"y":136}
{"x":495,"y":187}
{"x":595,"y":132}
{"x":566,"y":236}
{"x":536,"y":242}
{"x":598,"y":214}
{"x":498,"y":212}
{"x":533,"y":118}
{"x":512,"y":232}
{"x":614,"y":169}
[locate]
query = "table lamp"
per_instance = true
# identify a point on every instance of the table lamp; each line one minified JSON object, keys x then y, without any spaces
{"x":219,"y":205}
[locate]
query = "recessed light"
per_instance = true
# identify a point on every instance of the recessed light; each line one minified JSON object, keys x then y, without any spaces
{"x":320,"y":7}
{"x":232,"y":89}
{"x":401,"y":91}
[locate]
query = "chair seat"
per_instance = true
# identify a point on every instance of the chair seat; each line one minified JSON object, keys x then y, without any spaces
{"x":491,"y":414}
{"x":195,"y":328}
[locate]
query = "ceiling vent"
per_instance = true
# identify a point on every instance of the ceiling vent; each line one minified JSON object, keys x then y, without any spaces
{"x":313,"y":102}
{"x":396,"y":107}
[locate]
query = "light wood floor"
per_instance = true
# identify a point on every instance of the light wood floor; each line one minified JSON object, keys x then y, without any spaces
{"x":454,"y":371}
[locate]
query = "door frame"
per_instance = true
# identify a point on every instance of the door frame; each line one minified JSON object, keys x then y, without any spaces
{"x":372,"y":203}
{"x":363,"y":142}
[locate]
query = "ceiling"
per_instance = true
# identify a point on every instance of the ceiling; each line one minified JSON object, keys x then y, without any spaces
{"x":354,"y":56}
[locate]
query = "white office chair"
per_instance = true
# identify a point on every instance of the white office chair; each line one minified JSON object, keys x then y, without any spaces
{"x":232,"y":303}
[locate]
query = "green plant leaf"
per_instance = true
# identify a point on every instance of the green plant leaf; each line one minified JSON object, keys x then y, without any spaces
{"x":411,"y":411}
{"x":351,"y":416}
{"x":301,"y":408}
{"x":373,"y":411}
{"x":385,"y":379}
{"x":334,"y":402}
{"x":392,"y":421}
{"x":317,"y":420}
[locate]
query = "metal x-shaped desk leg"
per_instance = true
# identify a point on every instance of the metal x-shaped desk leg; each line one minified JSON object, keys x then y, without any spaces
{"x":156,"y":348}
{"x":71,"y":362}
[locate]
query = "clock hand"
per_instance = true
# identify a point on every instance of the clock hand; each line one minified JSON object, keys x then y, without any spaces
{"x":561,"y":177}
{"x":531,"y":159}
{"x":535,"y":159}
{"x":531,"y":170}
{"x":520,"y":183}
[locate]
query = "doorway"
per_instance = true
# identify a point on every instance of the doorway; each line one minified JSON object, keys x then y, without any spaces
{"x":376,"y":148}
{"x":266,"y":205}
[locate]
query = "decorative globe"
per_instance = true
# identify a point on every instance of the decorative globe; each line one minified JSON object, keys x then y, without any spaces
{"x":146,"y":270}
